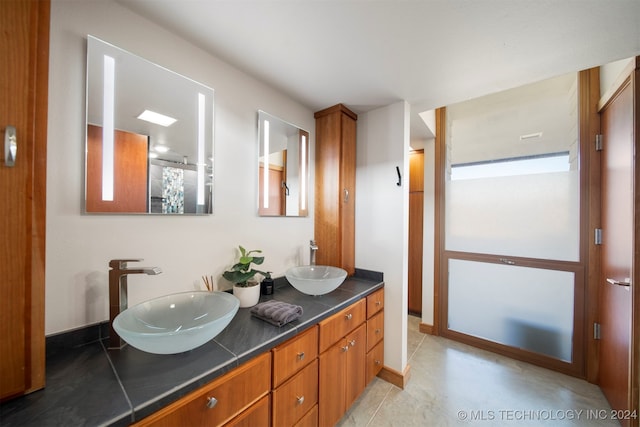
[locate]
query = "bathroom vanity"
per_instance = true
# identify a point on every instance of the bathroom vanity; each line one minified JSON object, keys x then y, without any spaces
{"x":252,"y":373}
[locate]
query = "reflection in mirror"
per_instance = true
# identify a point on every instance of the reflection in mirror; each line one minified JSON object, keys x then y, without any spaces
{"x":149,"y":146}
{"x":283,"y":167}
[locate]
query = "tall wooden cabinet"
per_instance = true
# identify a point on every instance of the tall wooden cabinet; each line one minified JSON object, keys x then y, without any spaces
{"x":23,"y":105}
{"x":416,"y":218}
{"x":335,"y":190}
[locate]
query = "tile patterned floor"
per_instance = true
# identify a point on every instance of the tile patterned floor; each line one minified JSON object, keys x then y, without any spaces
{"x":452,"y":384}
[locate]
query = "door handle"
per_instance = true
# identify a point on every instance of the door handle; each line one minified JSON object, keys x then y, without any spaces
{"x":10,"y":146}
{"x":626,"y":282}
{"x":346,"y":195}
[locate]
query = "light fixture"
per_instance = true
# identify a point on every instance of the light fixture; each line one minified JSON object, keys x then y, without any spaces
{"x":156,"y":118}
{"x":160,"y":148}
{"x":108,"y":126}
{"x":265,"y":169}
{"x":303,"y":172}
{"x":530,"y":136}
{"x":201,"y":164}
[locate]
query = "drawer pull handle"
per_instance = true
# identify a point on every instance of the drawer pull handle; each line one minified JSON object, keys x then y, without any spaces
{"x":301,"y":355}
{"x":349,"y":316}
{"x":211,"y":402}
{"x":300,"y":400}
{"x":345,"y":348}
{"x":378,"y":303}
{"x":378,"y":362}
{"x":377,"y":331}
{"x":352,"y":343}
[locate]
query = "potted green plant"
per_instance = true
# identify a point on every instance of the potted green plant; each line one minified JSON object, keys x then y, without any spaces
{"x":241,"y":274}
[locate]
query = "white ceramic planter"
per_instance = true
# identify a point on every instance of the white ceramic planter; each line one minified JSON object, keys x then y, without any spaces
{"x":248,"y":296}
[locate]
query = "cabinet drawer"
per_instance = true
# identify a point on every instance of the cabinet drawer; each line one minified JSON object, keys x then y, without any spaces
{"x":258,"y":414}
{"x":375,"y":302}
{"x":375,"y":361}
{"x":375,"y":330}
{"x":310,"y":419}
{"x":341,"y":323}
{"x":294,"y":355}
{"x":234,"y":392}
{"x":293,"y":399}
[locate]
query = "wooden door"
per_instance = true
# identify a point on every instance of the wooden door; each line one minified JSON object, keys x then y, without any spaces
{"x":23,"y":104}
{"x":130,"y":170}
{"x":334,"y":222}
{"x":416,"y":220}
{"x":618,"y":225}
{"x":348,"y":186}
{"x":356,"y":359}
{"x":332,"y":380}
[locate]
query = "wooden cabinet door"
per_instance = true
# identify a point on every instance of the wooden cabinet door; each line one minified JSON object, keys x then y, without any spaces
{"x":332,"y":378}
{"x":348,"y":202}
{"x":335,"y":187}
{"x":23,"y":80}
{"x":355,"y":360}
{"x":375,"y":360}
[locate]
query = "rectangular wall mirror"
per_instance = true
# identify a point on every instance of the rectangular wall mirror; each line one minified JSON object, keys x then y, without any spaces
{"x":149,"y":145}
{"x":283,"y":167}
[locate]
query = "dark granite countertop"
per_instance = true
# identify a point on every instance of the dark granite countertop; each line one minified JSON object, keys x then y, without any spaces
{"x":88,"y":385}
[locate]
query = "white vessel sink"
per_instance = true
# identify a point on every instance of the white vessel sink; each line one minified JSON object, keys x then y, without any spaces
{"x":315,"y":279}
{"x":176,"y":323}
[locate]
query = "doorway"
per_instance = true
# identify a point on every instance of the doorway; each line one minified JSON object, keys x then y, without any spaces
{"x":511,"y":271}
{"x":618,"y":359}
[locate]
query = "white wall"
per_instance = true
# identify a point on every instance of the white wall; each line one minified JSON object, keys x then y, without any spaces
{"x":80,"y":246}
{"x":382,"y":216}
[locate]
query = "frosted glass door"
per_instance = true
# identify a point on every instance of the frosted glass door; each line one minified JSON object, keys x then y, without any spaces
{"x":511,"y":256}
{"x":527,"y":308}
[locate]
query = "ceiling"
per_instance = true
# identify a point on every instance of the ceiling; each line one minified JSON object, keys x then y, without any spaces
{"x":431,"y":53}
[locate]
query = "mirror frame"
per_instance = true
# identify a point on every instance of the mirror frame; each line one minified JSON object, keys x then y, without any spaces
{"x":289,"y":197}
{"x":150,"y":168}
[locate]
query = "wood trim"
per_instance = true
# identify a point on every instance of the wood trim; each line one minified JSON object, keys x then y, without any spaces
{"x":582,"y":298}
{"x":398,"y":379}
{"x":425,"y":328}
{"x":635,"y":292}
{"x":438,"y":283}
{"x":589,"y":127}
{"x":40,"y":22}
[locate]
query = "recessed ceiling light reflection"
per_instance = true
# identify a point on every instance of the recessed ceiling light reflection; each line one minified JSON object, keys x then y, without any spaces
{"x":156,"y":118}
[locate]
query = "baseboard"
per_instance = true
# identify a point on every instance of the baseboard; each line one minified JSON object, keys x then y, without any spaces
{"x":398,"y":379}
{"x":426,"y":329}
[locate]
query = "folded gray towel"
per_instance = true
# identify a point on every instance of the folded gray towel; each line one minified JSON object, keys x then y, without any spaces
{"x":277,"y":313}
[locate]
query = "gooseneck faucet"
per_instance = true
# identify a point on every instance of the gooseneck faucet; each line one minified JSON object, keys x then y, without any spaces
{"x":118,"y":271}
{"x":313,"y":248}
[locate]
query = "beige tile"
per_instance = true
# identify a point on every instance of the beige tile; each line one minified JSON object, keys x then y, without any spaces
{"x":453,"y":384}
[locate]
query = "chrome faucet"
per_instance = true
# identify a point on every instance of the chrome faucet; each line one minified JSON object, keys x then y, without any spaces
{"x":118,"y":271}
{"x":313,"y":248}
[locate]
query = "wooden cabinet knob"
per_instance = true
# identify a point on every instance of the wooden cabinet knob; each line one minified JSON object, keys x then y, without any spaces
{"x":352,"y":343}
{"x":301,"y":355}
{"x":377,"y":331}
{"x":349,"y":316}
{"x":345,"y":348}
{"x":211,"y":402}
{"x":378,"y":362}
{"x":378,"y":303}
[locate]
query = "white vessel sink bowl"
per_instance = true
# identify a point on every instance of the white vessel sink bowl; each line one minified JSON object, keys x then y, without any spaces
{"x":176,"y":323}
{"x":315,"y":279}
